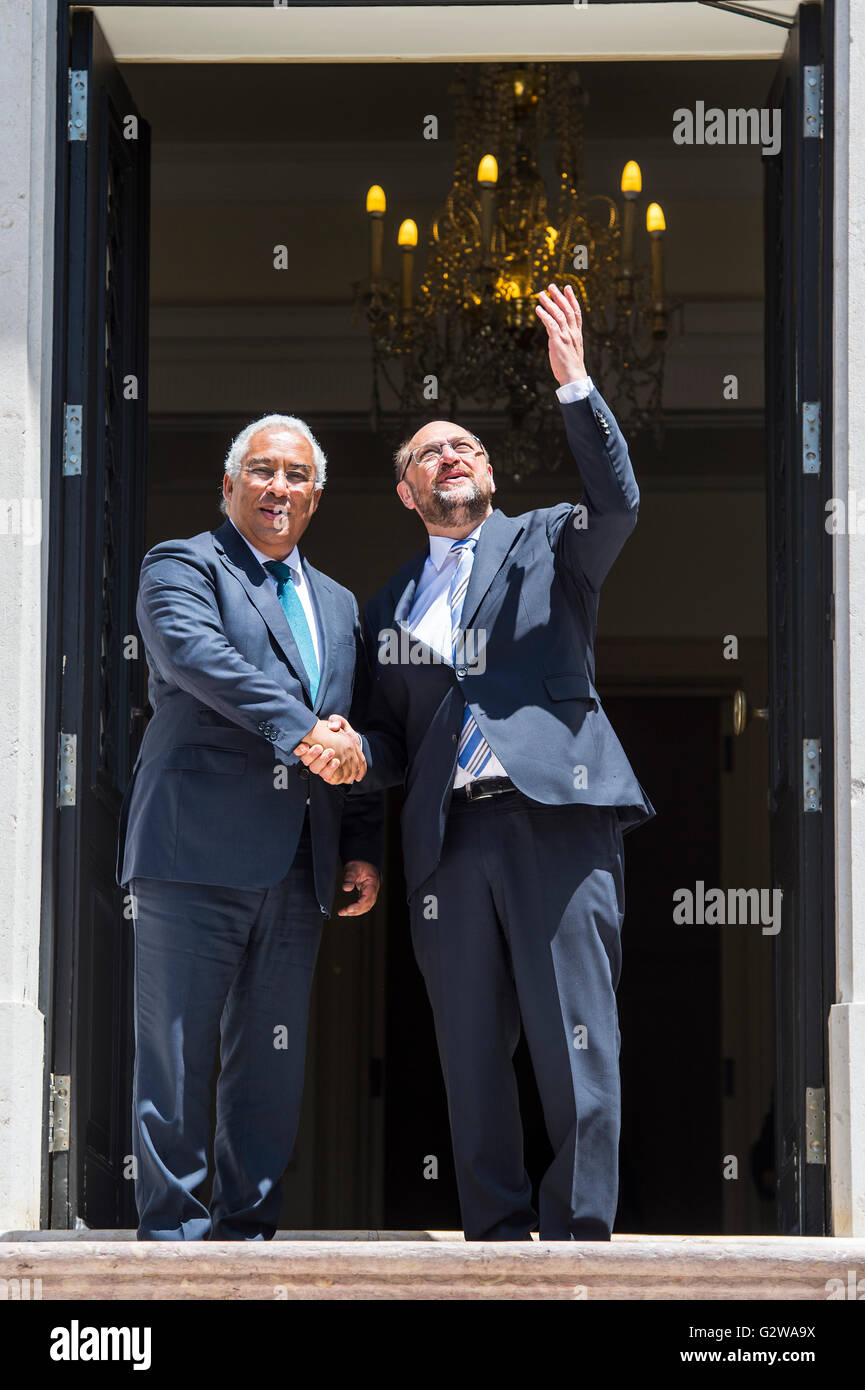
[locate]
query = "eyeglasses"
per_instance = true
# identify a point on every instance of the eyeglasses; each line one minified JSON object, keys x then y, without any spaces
{"x":294,"y":477}
{"x":429,"y":453}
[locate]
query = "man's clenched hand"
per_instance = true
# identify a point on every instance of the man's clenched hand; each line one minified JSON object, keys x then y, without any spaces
{"x":333,"y":752}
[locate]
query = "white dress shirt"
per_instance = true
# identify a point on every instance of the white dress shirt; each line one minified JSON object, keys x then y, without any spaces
{"x":575,"y":390}
{"x":430,"y":618}
{"x":301,"y":588}
{"x":430,"y":621}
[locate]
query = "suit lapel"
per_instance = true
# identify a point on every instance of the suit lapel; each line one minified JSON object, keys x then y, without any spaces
{"x":495,"y":542}
{"x":237,"y":557}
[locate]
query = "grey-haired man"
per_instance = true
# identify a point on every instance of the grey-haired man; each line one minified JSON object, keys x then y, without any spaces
{"x":229,"y":846}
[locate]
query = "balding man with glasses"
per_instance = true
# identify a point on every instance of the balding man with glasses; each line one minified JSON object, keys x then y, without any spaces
{"x":517,"y":793}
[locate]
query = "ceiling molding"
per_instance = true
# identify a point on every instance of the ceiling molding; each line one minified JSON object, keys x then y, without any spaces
{"x":430,"y":33}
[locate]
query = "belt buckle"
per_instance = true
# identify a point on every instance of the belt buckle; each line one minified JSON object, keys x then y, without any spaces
{"x":479,"y":794}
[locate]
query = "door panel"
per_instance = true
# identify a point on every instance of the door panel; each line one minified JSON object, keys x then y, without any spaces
{"x":797,"y":316}
{"x":104,"y":373}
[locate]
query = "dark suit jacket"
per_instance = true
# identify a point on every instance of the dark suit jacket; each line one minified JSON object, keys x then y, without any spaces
{"x":531,"y":608}
{"x":217,"y":795}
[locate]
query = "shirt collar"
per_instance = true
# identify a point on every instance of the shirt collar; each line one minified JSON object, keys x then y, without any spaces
{"x":292,"y":559}
{"x":440,"y":546}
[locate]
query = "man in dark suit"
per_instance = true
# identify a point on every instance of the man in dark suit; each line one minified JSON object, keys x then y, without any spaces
{"x":227,"y":843}
{"x":517,"y":792}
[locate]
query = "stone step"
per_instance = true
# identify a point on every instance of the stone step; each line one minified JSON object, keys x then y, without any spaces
{"x":428,"y":1265}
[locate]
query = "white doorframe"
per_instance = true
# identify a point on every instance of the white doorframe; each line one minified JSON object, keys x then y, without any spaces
{"x":847,"y":1016}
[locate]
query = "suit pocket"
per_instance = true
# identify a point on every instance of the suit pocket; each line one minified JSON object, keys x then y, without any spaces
{"x":198,"y":757}
{"x":569,"y":686}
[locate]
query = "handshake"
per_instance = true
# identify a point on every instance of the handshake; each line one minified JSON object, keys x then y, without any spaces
{"x":333,"y":751}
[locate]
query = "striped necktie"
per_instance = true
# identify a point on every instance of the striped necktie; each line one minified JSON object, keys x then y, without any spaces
{"x":289,"y":601}
{"x":474,"y":752}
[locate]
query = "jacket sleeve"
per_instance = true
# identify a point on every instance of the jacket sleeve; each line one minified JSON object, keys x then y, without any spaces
{"x":182,"y":629}
{"x":588,"y":538}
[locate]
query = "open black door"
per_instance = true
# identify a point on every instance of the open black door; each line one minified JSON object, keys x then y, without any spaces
{"x":798,"y":379}
{"x":94,"y":671}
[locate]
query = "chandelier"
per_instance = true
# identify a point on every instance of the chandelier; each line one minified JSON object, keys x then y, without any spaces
{"x":467,"y":337}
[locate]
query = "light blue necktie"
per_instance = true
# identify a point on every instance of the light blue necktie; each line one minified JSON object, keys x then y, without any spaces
{"x":474,"y":752}
{"x":292,"y":607}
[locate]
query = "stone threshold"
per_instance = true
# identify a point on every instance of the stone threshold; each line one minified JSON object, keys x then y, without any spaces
{"x":358,"y":1265}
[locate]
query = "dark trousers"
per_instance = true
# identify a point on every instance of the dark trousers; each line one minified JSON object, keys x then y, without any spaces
{"x":521,"y":923}
{"x":233,"y":965}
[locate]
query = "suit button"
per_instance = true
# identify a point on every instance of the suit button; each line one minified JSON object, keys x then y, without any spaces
{"x":303,"y":772}
{"x":462,"y":671}
{"x":453,"y":738}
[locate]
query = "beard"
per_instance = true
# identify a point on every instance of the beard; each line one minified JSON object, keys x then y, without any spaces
{"x":442,"y":508}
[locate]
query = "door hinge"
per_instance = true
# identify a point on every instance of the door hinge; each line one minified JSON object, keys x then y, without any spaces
{"x":812,"y":102}
{"x":811,"y":778}
{"x":58,"y":1113}
{"x":67,"y":769}
{"x":76,"y":103}
{"x":810,"y":436}
{"x":72,"y":440}
{"x":815,"y":1124}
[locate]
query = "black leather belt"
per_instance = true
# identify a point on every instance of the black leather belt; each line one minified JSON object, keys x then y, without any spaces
{"x":483,"y":787}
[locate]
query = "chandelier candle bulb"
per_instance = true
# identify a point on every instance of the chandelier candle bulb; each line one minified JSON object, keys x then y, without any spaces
{"x":488,"y":171}
{"x":632,"y":179}
{"x":488,"y":177}
{"x":376,"y":204}
{"x":407,"y":241}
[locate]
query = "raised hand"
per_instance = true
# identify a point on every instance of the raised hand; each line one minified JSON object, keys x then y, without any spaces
{"x":333,"y":752}
{"x":562,"y":318}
